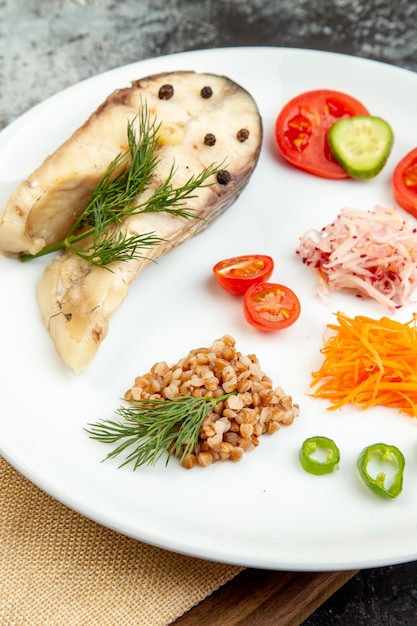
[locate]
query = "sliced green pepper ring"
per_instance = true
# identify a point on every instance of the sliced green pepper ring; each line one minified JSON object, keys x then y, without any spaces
{"x":322,"y":446}
{"x":382,"y":454}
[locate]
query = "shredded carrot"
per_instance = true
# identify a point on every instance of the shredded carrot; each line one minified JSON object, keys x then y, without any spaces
{"x":369,"y":363}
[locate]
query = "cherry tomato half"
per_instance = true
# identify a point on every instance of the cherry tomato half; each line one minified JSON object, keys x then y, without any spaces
{"x":238,"y":273}
{"x":269,"y":306}
{"x":404,"y":182}
{"x":301,"y":130}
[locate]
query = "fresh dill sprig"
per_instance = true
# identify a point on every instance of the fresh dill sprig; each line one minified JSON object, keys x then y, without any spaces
{"x":115,"y":197}
{"x":120,"y":246}
{"x":156,"y":427}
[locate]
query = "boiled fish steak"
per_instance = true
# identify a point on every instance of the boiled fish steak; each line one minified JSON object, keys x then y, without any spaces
{"x":204,"y":119}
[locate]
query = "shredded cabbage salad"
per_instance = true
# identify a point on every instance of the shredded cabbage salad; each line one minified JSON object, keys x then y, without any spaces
{"x":373,"y":253}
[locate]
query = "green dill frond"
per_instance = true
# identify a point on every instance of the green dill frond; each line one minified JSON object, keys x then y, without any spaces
{"x":117,"y":196}
{"x":155,"y":427}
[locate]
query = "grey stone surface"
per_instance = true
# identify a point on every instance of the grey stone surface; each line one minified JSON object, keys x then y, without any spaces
{"x":51,"y":44}
{"x":377,"y":597}
{"x":46,"y":45}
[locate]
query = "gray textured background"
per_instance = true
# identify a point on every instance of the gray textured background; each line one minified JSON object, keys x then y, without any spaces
{"x":48,"y":45}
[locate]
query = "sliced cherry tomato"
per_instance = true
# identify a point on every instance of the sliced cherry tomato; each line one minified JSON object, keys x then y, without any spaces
{"x":269,"y":306}
{"x":239,"y":273}
{"x":404,"y":182}
{"x":301,"y":130}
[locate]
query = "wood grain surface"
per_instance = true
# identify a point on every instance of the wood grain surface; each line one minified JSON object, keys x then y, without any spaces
{"x":266,"y":598}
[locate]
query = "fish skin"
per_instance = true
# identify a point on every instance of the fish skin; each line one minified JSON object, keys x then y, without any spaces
{"x":77,"y":299}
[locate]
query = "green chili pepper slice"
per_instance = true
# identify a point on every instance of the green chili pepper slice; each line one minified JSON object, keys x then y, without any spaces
{"x":320,"y":445}
{"x":383,"y":454}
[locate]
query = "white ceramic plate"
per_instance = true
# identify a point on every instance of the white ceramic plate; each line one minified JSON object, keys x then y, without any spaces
{"x":264,"y":511}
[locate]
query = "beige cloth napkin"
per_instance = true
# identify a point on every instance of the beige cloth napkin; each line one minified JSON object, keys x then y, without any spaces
{"x":58,"y":568}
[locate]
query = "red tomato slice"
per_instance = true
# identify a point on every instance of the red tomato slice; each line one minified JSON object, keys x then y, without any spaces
{"x":238,"y":273}
{"x":404,"y":182}
{"x":269,"y":306}
{"x":301,"y":130}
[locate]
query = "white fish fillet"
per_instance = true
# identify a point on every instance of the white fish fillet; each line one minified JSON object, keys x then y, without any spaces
{"x":77,"y":299}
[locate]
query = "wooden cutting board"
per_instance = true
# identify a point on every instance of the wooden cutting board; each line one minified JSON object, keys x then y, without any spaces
{"x":258,"y":597}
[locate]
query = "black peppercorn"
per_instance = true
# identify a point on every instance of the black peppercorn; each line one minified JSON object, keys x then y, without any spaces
{"x":223,"y":177}
{"x":209,"y":139}
{"x":206,"y":92}
{"x":242,"y":134}
{"x":166,"y":92}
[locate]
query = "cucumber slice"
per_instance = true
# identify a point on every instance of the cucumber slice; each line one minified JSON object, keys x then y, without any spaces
{"x":361,"y":144}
